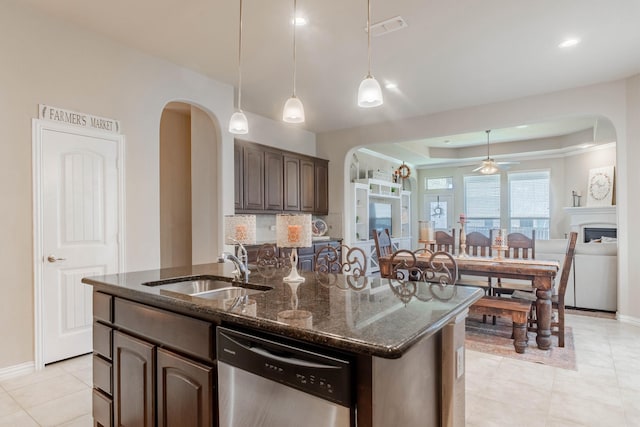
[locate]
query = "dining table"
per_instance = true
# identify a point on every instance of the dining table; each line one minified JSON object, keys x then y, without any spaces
{"x":540,"y":272}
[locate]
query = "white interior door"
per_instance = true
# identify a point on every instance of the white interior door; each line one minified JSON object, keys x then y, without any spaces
{"x":80,"y":220}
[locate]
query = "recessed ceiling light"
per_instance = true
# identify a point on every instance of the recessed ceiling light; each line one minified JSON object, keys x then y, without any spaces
{"x":391,"y":85}
{"x":300,"y":21}
{"x":569,"y":42}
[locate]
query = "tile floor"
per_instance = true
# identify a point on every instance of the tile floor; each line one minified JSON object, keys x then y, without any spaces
{"x":605,"y":391}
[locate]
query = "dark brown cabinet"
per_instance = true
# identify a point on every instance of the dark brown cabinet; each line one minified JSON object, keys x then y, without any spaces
{"x":253,"y":178}
{"x":307,"y":183}
{"x":321,"y":187}
{"x":185,"y":392}
{"x":291,"y":183}
{"x":238,"y":178}
{"x":273,"y":181}
{"x":134,"y":381}
{"x":268,"y":180}
{"x":150,"y":384}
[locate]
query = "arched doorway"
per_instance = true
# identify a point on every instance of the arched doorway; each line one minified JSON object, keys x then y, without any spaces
{"x":189,"y":206}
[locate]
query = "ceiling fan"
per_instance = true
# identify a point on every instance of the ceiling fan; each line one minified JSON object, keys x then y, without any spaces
{"x":490,"y":166}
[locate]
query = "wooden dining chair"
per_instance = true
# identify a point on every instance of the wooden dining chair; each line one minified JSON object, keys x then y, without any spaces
{"x":557,"y":299}
{"x":478,"y":244}
{"x":520,"y":247}
{"x":382,"y":239}
{"x":445,"y":242}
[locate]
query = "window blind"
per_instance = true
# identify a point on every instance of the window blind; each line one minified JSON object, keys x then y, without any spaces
{"x":482,"y":196}
{"x":529,"y":194}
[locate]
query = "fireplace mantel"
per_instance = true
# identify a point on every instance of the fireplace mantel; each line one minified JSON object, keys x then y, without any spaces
{"x":601,"y":216}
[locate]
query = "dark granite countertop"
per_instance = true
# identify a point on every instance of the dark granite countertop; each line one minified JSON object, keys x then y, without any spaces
{"x":371,"y":316}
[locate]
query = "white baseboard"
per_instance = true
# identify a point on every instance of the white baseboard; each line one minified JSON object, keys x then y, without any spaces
{"x":628,"y":319}
{"x":17,"y":370}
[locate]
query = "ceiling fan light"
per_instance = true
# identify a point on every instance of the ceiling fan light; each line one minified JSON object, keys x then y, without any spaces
{"x":369,"y":93}
{"x":489,"y":167}
{"x":293,"y":111}
{"x":238,"y":123}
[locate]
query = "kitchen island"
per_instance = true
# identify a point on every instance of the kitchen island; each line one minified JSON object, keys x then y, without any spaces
{"x":155,"y":350}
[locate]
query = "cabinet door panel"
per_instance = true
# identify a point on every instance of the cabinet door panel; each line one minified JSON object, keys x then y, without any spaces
{"x":253,"y":186}
{"x":273,"y":187}
{"x":307,"y":177}
{"x":186,"y":395}
{"x":291,"y":183}
{"x":321,"y":187}
{"x":238,"y":180}
{"x":134,"y":381}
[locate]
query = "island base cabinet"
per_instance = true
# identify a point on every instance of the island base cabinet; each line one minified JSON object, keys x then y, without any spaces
{"x":134,"y":381}
{"x":186,"y":392}
{"x":151,"y":367}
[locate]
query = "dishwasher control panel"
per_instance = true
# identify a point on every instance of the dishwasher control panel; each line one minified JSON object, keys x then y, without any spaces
{"x":323,"y":375}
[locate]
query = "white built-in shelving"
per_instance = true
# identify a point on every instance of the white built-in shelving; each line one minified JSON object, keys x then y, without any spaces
{"x":366,"y":191}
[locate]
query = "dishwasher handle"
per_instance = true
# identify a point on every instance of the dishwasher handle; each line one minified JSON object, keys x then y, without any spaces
{"x":261,"y":351}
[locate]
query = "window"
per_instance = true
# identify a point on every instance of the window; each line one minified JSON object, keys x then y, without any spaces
{"x":445,"y":183}
{"x":482,"y":203}
{"x":529,"y":203}
{"x":437,"y":209}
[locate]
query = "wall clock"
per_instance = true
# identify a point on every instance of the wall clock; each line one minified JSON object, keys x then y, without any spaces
{"x":600,"y":186}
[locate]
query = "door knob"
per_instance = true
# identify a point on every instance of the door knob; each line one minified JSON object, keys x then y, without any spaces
{"x":51,"y":258}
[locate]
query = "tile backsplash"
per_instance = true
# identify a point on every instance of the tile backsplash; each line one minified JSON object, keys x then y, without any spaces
{"x":266,"y":226}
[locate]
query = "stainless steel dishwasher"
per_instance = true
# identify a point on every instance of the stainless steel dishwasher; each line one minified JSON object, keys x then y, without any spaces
{"x":263,"y":383}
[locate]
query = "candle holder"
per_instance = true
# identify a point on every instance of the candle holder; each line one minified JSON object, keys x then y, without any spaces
{"x":463,"y":237}
{"x":293,"y":231}
{"x":426,"y":234}
{"x":499,"y":242}
{"x":240,"y":230}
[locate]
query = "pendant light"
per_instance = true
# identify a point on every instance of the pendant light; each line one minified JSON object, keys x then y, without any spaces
{"x":238,"y":123}
{"x":369,"y":92}
{"x":293,"y":111}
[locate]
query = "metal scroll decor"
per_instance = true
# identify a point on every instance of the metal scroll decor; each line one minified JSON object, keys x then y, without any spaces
{"x":438,"y":270}
{"x":328,"y":264}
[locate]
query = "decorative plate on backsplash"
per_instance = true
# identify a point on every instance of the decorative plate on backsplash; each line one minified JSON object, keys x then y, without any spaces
{"x":318,"y":227}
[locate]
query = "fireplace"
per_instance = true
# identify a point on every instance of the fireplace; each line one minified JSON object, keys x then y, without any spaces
{"x":593,"y":233}
{"x":594,"y":218}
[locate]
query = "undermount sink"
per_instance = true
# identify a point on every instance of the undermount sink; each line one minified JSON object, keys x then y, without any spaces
{"x":206,"y":287}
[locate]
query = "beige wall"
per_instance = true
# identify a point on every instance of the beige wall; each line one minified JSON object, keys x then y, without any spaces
{"x":618,"y":101}
{"x":628,"y":176}
{"x":204,"y":188}
{"x":60,"y":65}
{"x":175,"y":188}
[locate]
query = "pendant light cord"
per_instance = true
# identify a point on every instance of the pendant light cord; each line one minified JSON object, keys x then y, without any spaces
{"x":369,"y":37}
{"x":240,"y":60}
{"x":294,"y":47}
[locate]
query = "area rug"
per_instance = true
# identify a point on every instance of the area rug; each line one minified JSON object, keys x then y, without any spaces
{"x":496,"y":339}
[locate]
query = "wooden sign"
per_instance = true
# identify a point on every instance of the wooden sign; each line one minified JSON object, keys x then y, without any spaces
{"x":53,"y":114}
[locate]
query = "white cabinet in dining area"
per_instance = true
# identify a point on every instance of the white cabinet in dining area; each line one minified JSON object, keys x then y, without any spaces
{"x":593,"y":280}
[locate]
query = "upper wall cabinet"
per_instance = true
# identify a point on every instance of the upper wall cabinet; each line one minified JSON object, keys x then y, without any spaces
{"x":268,"y":180}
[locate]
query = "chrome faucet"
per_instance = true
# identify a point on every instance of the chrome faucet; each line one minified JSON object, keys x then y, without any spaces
{"x":242,"y":269}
